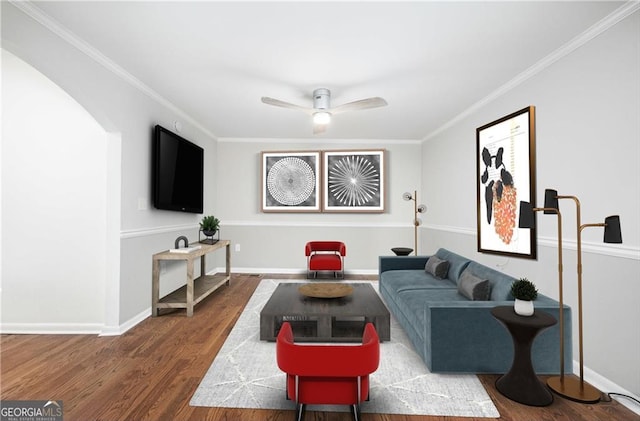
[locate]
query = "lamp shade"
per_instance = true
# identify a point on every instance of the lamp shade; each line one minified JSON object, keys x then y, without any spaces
{"x":550,"y":200}
{"x":612,"y":232}
{"x":527,"y":218}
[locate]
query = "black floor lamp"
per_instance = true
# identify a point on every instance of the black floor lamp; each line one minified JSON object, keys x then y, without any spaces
{"x":570,"y":387}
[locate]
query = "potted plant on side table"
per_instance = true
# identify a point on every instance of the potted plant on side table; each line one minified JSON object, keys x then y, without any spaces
{"x":524,"y":292}
{"x":209,"y":226}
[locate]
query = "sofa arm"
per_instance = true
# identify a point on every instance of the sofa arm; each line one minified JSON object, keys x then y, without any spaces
{"x":467,"y":338}
{"x":401,"y":262}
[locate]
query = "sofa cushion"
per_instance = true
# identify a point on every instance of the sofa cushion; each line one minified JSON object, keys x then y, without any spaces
{"x":500,"y":282}
{"x":437,"y":267}
{"x":457,"y":263}
{"x":410,"y":279}
{"x":472,"y":287}
{"x":414,"y":305}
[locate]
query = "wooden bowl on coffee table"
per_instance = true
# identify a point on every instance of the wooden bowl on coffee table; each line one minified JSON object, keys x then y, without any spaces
{"x":325,"y":290}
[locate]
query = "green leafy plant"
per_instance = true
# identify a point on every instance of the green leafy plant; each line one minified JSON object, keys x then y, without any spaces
{"x":210,"y":223}
{"x":524,"y":289}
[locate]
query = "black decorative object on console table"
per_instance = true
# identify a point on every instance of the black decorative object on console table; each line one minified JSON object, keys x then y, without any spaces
{"x":521,"y":384}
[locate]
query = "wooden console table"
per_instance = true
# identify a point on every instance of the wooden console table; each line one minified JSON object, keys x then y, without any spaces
{"x":195,"y":290}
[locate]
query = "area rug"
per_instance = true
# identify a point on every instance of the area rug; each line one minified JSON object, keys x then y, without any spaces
{"x":244,"y":374}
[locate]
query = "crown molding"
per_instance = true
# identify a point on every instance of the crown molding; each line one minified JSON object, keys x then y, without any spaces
{"x":598,"y":28}
{"x":297,"y":141}
{"x":37,"y":14}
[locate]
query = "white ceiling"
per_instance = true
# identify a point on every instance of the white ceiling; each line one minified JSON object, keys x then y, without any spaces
{"x":430,"y":60}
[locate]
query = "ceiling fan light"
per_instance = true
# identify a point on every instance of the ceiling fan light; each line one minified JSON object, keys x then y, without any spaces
{"x":321,"y":117}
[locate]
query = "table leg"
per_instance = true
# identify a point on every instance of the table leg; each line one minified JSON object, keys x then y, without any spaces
{"x":383,"y":327}
{"x":521,"y":383}
{"x":268,"y":325}
{"x":228,"y":263}
{"x":155,"y":287}
{"x":190,"y":288}
{"x":324,"y":327}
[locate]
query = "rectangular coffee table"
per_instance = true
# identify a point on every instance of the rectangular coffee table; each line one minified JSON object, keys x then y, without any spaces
{"x":324,"y":319}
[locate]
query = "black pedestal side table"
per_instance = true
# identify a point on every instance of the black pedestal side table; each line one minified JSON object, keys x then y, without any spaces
{"x":521,"y":384}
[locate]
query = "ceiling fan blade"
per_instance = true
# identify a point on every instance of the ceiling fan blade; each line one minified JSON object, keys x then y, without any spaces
{"x":361,"y":104}
{"x":284,"y":104}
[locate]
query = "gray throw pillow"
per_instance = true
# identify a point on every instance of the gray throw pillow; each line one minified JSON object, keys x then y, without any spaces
{"x":437,"y":267}
{"x":472,"y":287}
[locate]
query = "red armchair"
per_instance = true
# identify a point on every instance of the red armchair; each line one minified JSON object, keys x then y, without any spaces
{"x":328,"y":374}
{"x":325,"y":256}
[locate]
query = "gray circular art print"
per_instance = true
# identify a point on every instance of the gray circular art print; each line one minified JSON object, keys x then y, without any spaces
{"x":354,"y":181}
{"x":290,"y":181}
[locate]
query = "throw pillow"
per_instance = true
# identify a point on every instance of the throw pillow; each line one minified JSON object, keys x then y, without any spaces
{"x":437,"y":267}
{"x":472,"y":287}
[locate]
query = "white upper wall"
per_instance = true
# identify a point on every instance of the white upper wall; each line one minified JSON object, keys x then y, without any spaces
{"x":587,"y":143}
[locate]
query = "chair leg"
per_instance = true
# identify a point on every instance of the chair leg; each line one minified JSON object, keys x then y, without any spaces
{"x":355,"y":408}
{"x":300,"y":411}
{"x":355,"y":411}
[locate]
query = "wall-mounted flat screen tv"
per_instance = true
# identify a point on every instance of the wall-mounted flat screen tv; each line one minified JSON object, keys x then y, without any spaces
{"x":178,"y":170}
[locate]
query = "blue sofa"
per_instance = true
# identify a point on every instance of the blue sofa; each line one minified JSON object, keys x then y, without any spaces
{"x":455,"y":334}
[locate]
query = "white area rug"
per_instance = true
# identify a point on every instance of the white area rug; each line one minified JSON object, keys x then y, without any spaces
{"x":244,"y":374}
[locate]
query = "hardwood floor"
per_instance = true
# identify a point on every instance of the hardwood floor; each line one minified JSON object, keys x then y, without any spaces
{"x":151,"y":372}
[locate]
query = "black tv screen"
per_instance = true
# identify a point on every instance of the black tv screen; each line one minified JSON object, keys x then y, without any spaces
{"x":178,"y":169}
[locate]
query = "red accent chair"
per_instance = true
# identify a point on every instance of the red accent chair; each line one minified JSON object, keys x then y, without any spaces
{"x":325,"y":256}
{"x":328,"y":374}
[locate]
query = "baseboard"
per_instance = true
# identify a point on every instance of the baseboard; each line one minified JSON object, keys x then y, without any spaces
{"x":607,"y":386}
{"x":119,"y":330}
{"x":296,"y":271}
{"x":50,"y":328}
{"x":72,"y":328}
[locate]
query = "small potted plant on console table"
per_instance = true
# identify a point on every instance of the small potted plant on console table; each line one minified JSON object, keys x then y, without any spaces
{"x":524,"y":292}
{"x":209,"y":227}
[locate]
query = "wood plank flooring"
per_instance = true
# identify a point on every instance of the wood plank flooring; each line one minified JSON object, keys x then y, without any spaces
{"x":151,"y":372}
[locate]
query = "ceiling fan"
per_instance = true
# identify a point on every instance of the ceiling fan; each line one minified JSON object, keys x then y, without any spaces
{"x":322,"y":111}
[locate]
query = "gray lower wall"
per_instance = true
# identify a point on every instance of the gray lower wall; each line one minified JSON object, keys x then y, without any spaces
{"x":281,"y":248}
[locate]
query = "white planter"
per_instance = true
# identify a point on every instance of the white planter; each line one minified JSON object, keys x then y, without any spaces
{"x":523,"y":307}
